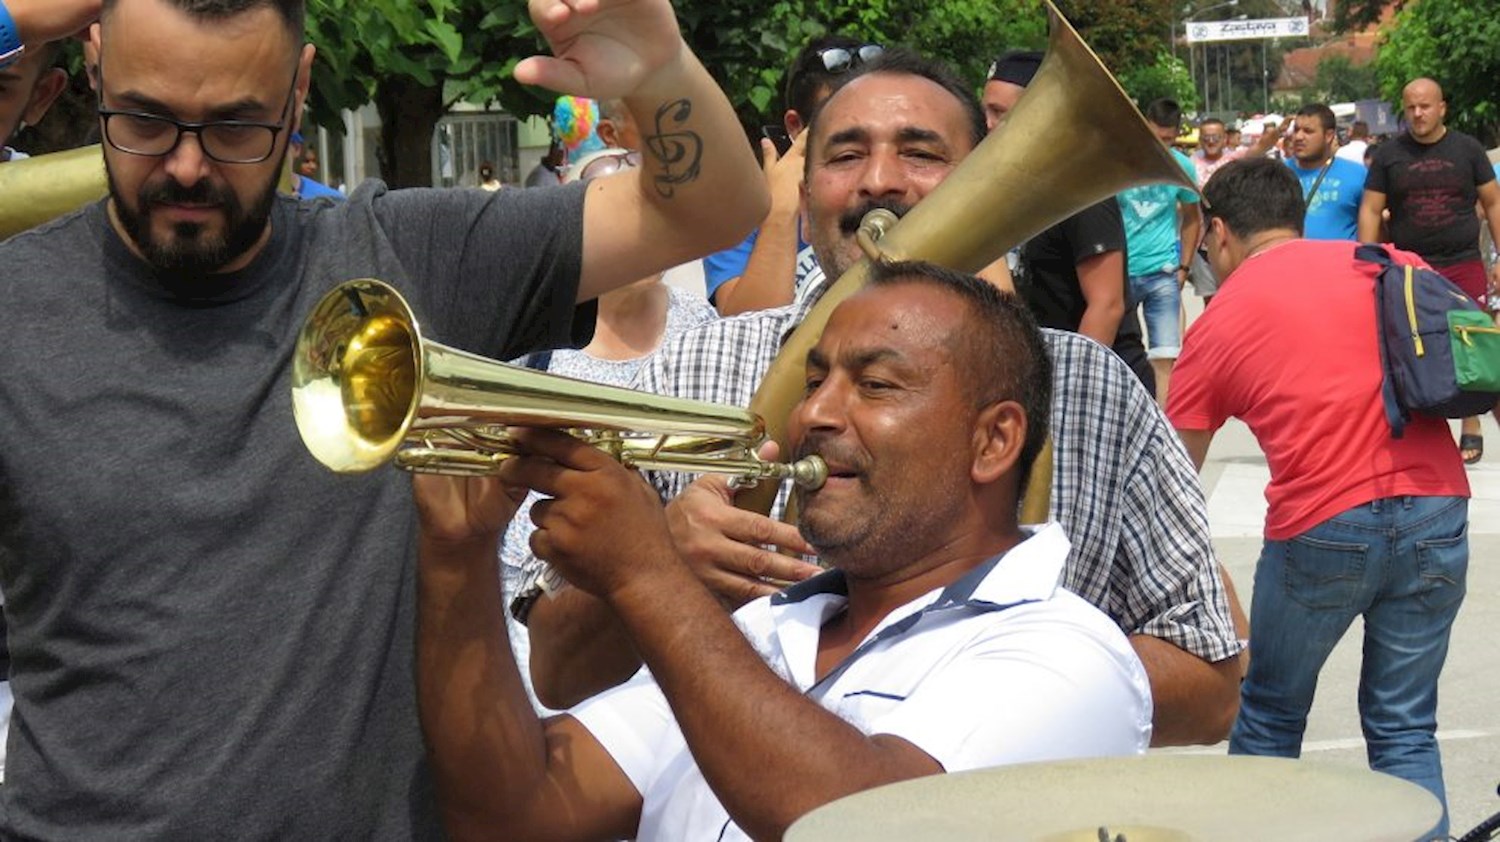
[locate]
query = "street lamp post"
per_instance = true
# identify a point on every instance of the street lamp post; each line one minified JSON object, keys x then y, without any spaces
{"x":1189,"y":15}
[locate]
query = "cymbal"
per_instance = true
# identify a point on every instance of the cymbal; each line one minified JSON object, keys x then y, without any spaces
{"x":1154,"y":798}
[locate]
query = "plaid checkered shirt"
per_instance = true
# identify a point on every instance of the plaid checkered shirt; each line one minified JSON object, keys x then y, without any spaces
{"x":1123,"y":487}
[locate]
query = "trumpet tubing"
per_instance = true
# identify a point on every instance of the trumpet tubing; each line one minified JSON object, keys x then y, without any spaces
{"x":367,"y":389}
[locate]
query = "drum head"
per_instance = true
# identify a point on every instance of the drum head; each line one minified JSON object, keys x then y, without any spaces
{"x":1156,"y":798}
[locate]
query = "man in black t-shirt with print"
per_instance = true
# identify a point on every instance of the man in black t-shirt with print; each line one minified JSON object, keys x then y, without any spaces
{"x":1430,"y":179}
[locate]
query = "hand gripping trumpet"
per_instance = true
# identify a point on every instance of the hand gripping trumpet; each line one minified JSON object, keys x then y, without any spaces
{"x":368,"y":389}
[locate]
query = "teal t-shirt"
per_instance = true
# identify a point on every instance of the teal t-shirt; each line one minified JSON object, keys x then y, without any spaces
{"x":1150,"y":214}
{"x":1333,"y":214}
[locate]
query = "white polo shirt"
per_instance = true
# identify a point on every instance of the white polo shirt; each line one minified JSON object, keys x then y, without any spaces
{"x":1003,"y":666}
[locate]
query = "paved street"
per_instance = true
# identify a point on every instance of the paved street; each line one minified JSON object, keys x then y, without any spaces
{"x":1234,"y":479}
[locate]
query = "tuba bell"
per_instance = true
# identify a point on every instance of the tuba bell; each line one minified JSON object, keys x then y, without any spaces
{"x":1015,"y":184}
{"x":367,"y":389}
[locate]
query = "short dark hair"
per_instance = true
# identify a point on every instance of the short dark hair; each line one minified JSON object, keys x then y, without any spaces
{"x":293,"y":12}
{"x":1164,"y":112}
{"x":1007,"y":355}
{"x":904,"y":62}
{"x":807,"y":76}
{"x":1209,"y":121}
{"x":1359,"y":129}
{"x":1322,"y":112}
{"x":1253,"y":195}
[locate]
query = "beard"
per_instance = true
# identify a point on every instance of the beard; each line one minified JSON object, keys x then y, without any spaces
{"x":191,"y":248}
{"x":831,"y":255}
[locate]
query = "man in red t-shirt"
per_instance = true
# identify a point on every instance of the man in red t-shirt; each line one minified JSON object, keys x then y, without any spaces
{"x":1360,"y":523}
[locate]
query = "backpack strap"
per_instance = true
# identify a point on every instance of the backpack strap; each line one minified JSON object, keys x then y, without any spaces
{"x":1393,"y":413}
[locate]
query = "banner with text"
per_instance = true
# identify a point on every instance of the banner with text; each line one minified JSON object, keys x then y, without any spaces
{"x":1245,"y":30}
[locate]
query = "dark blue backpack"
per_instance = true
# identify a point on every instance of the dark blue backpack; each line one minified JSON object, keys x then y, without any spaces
{"x":1439,"y":352}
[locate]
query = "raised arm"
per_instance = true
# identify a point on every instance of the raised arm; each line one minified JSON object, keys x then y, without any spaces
{"x":674,"y":207}
{"x":40,"y":21}
{"x":769,"y":279}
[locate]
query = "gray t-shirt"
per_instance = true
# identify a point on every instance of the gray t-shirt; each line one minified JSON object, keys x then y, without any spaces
{"x":211,"y":634}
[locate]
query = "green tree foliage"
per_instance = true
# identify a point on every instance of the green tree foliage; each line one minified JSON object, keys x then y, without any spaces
{"x":1167,"y":76}
{"x":1457,"y":43}
{"x":1354,"y":15}
{"x":748,"y":44}
{"x":1126,"y":34}
{"x":415,"y":58}
{"x":1340,"y":80}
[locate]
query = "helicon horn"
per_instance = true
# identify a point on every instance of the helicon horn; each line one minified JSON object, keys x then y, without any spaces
{"x":368,"y":389}
{"x":36,"y":190}
{"x":1074,"y":139}
{"x":40,"y":189}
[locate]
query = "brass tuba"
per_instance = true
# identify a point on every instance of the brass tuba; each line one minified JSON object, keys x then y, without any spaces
{"x":368,"y":389}
{"x":36,"y":190}
{"x":40,"y":189}
{"x":1018,"y":182}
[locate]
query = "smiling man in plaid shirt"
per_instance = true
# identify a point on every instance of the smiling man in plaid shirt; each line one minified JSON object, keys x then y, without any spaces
{"x":1123,"y":487}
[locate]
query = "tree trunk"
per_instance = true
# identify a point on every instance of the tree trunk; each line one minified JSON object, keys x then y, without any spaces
{"x":409,"y":112}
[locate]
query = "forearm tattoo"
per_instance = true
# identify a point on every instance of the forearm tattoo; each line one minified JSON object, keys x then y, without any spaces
{"x":679,"y":154}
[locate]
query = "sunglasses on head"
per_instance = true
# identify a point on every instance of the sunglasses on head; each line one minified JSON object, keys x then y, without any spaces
{"x":841,"y":59}
{"x":609,"y":164}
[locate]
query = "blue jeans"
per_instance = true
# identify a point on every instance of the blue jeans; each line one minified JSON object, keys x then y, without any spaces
{"x":1160,"y":299}
{"x":1400,"y":562}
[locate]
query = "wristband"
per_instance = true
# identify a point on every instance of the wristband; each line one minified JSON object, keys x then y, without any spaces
{"x":1183,"y":267}
{"x":11,"y":48}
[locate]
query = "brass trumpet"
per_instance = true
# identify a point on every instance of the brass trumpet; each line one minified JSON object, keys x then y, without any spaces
{"x":367,"y":389}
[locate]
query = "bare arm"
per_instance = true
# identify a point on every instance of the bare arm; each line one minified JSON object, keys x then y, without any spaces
{"x":579,"y":647}
{"x":998,"y":274}
{"x":1196,"y":442}
{"x":738,"y":717}
{"x":1193,"y":701}
{"x":495,"y":764}
{"x":770,"y":273}
{"x":1371,"y":206}
{"x":1190,"y":233}
{"x":40,"y":21}
{"x":1489,"y":203}
{"x":672,"y":209}
{"x":1101,"y":278}
{"x":1267,"y":140}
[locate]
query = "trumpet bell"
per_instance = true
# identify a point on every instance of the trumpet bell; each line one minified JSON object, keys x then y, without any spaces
{"x":367,"y":389}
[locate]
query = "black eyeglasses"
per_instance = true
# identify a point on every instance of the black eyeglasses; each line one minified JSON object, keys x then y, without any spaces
{"x":225,"y":141}
{"x":842,"y":59}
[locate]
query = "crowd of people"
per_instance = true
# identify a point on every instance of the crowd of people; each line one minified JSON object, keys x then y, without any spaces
{"x":211,"y":634}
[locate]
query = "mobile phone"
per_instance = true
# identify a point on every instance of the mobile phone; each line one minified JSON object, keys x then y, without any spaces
{"x":778,"y":136}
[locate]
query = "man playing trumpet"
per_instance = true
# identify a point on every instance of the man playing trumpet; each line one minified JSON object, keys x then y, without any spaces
{"x":941,"y":641}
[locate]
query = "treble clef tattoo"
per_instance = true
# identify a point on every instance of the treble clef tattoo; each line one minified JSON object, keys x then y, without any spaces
{"x":680,"y":153}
